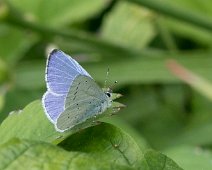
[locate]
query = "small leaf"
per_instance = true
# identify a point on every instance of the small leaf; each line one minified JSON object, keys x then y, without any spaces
{"x":127,"y":23}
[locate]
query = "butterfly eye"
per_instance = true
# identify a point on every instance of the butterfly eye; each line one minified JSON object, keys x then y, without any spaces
{"x":108,"y":94}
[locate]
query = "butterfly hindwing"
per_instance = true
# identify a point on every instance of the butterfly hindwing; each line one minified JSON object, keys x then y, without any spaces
{"x":84,"y":101}
{"x":53,"y":105}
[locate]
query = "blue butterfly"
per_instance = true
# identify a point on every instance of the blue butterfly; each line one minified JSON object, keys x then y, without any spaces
{"x":72,"y":96}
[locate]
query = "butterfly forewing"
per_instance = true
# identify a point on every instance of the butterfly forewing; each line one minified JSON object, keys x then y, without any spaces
{"x":61,"y":71}
{"x":84,"y":101}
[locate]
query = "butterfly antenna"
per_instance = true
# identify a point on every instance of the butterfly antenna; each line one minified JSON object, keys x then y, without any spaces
{"x":106,"y":79}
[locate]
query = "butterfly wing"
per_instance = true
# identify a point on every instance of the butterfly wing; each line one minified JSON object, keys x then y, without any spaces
{"x":53,"y":105}
{"x":84,"y":101}
{"x":61,"y":70}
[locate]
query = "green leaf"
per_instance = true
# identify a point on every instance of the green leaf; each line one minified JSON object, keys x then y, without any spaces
{"x":127,"y":23}
{"x":15,"y":155}
{"x":58,"y":13}
{"x":24,"y":154}
{"x":106,"y":141}
{"x":189,"y":157}
{"x":111,"y":143}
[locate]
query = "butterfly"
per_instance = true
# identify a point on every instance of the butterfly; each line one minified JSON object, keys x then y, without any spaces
{"x":72,"y":97}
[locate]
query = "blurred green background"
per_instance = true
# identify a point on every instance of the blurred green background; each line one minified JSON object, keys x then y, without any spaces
{"x":134,"y":39}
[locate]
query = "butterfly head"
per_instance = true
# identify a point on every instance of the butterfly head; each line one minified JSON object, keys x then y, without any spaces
{"x":108,"y":92}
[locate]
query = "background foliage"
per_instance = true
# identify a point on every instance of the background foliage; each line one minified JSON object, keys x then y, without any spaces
{"x":136,"y":39}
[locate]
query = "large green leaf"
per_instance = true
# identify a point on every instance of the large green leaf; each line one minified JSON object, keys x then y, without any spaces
{"x":111,"y":143}
{"x":58,"y":13}
{"x":26,"y":154}
{"x":19,"y":155}
{"x":102,"y":141}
